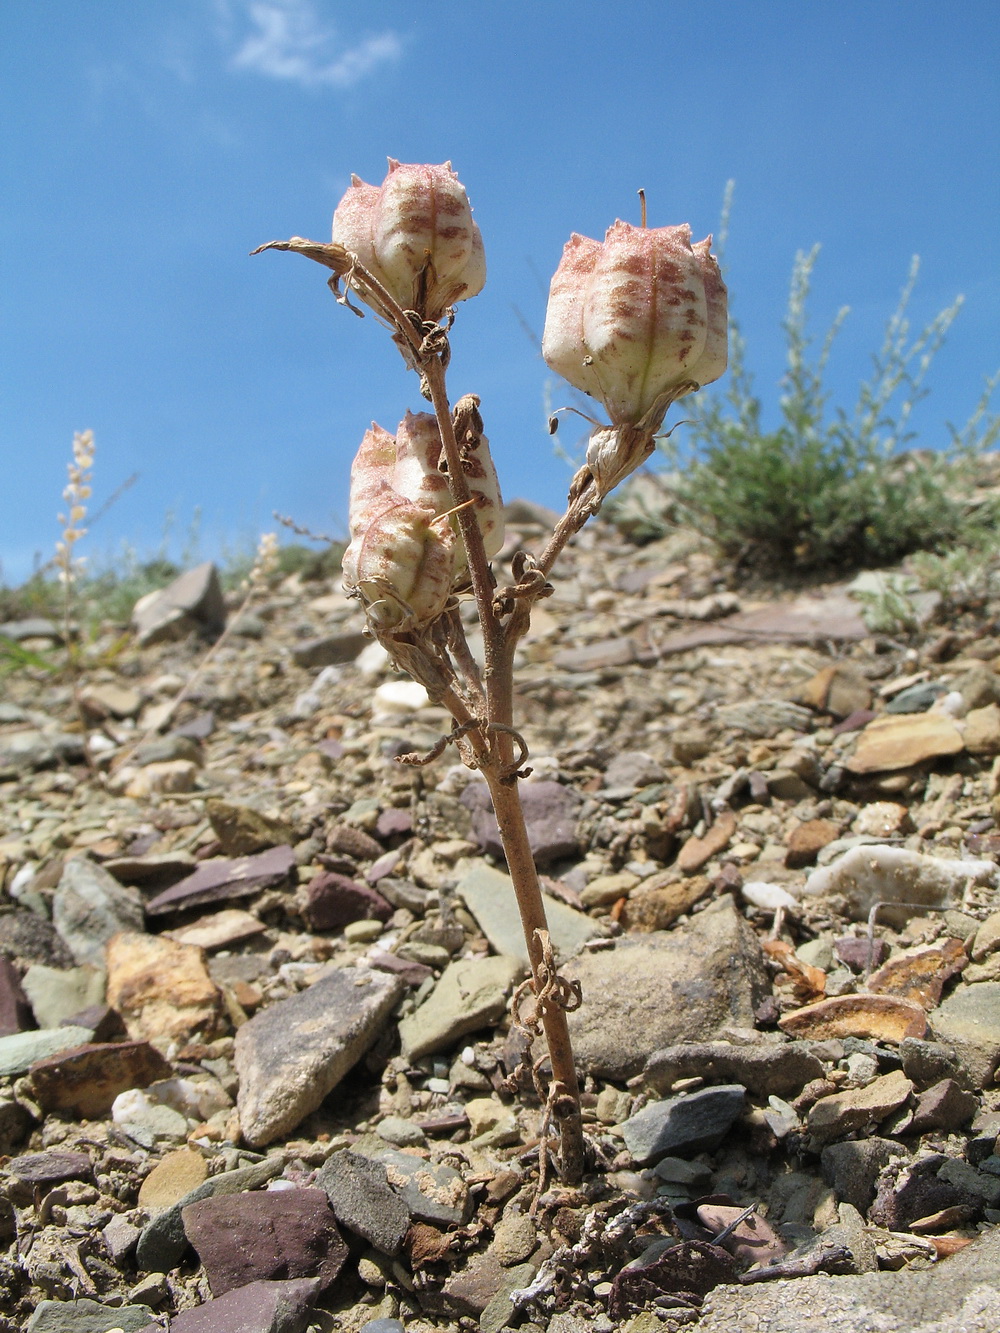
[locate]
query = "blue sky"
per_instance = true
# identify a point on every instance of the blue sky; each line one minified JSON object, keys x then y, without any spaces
{"x":145,"y":149}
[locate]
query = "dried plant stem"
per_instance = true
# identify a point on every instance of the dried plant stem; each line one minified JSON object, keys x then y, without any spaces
{"x":499,"y":769}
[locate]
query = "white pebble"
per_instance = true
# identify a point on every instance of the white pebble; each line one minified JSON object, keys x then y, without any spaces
{"x":400,"y":696}
{"x":768,"y":896}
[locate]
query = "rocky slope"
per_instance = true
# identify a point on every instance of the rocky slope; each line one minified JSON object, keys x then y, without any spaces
{"x":257,"y":1068}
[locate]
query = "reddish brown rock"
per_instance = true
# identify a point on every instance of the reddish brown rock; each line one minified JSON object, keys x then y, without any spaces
{"x":162,"y":989}
{"x":920,"y":974}
{"x":215,"y":880}
{"x":807,"y":840}
{"x":15,"y":1008}
{"x":655,"y":905}
{"x":943,"y":1106}
{"x":838,"y":689}
{"x":697,"y":851}
{"x":84,"y":1081}
{"x":265,"y":1235}
{"x":333,"y":900}
{"x":879,"y":1017}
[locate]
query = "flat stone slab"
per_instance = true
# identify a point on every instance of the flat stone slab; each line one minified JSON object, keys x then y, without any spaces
{"x":216,"y":880}
{"x":265,"y":1236}
{"x":363,"y":1200}
{"x":489,"y":896}
{"x":653,"y":991}
{"x":87,"y":1316}
{"x":691,"y":1123}
{"x":969,"y":1021}
{"x":471,"y":994}
{"x":960,"y":1293}
{"x":259,"y":1307}
{"x":763,"y":1068}
{"x":294,"y":1053}
{"x":20,"y":1050}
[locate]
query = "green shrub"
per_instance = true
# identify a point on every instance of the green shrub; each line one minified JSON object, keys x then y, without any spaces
{"x":831,"y":493}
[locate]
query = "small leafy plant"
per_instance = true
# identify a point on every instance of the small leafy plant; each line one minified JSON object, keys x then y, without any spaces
{"x":832,"y":491}
{"x":636,"y":322}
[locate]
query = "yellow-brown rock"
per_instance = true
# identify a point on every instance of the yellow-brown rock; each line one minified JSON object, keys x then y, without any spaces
{"x":162,"y":989}
{"x":902,"y":740}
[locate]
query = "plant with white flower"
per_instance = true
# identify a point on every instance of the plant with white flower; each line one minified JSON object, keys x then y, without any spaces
{"x":636,"y":321}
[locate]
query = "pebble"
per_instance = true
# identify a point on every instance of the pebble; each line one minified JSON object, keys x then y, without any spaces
{"x":879,"y":1017}
{"x":261,"y":1236}
{"x":20,"y":1050}
{"x":86,"y":1316}
{"x":242,"y":829}
{"x":216,"y":880}
{"x":550,"y":814}
{"x":193,"y":601}
{"x":858,"y":1108}
{"x":162,"y":989}
{"x":173,"y":1177}
{"x":920,"y":974}
{"x":333,"y":901}
{"x":431,"y":1191}
{"x":57,"y":994}
{"x":696,"y":852}
{"x":90,"y":906}
{"x":259,"y":1307}
{"x":489,"y":896}
{"x":84,"y":1082}
{"x":968,"y":1020}
{"x":692,"y":1123}
{"x":762,"y":1068}
{"x":50,"y":1168}
{"x":660,"y":899}
{"x":889,"y":743}
{"x":652,"y":991}
{"x":15,"y":1009}
{"x":363,"y":1201}
{"x":290,"y":1056}
{"x":471,"y":994}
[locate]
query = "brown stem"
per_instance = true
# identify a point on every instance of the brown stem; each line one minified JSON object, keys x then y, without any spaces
{"x":528,"y":892}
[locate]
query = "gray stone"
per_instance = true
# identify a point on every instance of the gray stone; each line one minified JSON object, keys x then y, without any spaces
{"x":35,"y":627}
{"x":165,"y":749}
{"x":329,"y":649}
{"x":24,"y":751}
{"x":86,"y":1316}
{"x":852,"y":1168}
{"x":90,"y":906}
{"x":692,"y":1123}
{"x":653,"y":991}
{"x":294,"y":1053}
{"x":20,"y":1050}
{"x":259,"y":1307}
{"x":431,"y":1191}
{"x":265,"y":1236}
{"x":916,"y":699}
{"x":471,"y":994}
{"x":966,"y":1177}
{"x":489,"y":896}
{"x":956,"y":1295}
{"x":764,"y":717}
{"x":14,"y":1125}
{"x":193,"y":601}
{"x":927,"y":1062}
{"x":969,"y":1020}
{"x":550,"y":814}
{"x":763,"y":1068}
{"x":363,"y":1201}
{"x":875,"y":873}
{"x":382,"y":1326}
{"x":58,"y":994}
{"x":500,"y":1310}
{"x":163,"y":1241}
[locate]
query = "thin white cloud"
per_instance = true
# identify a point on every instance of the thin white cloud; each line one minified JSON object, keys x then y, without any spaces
{"x":290,"y":41}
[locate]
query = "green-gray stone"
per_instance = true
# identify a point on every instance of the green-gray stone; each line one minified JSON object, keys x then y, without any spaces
{"x":489,"y":896}
{"x":85,"y":1316}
